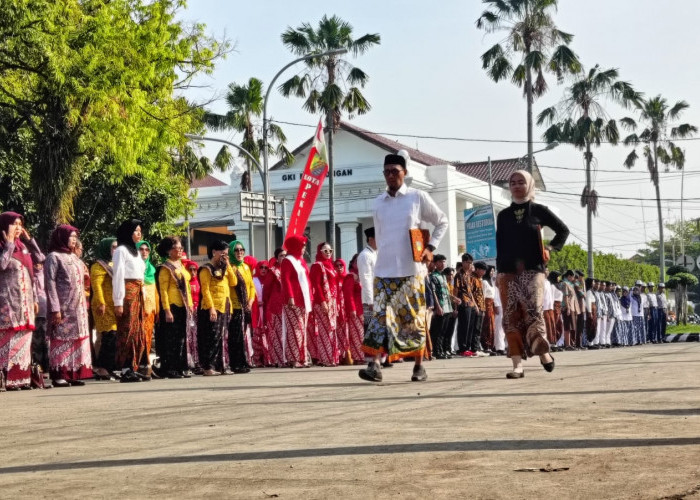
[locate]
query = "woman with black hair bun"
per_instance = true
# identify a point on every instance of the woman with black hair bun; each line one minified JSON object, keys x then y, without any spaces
{"x":127,"y":282}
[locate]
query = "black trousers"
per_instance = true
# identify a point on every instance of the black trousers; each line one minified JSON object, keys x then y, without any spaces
{"x":437,"y":331}
{"x":107,"y":357}
{"x":40,"y":346}
{"x":450,"y":322}
{"x":464,"y":319}
{"x":474,"y":339}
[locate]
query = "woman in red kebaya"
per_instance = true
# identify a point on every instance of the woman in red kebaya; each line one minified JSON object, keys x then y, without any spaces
{"x":273,"y":303}
{"x":324,"y":315}
{"x":297,"y":301}
{"x":352,"y":300}
{"x":342,"y":328}
{"x":261,"y":350}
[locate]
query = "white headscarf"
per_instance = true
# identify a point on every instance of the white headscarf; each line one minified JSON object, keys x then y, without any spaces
{"x":529,"y":182}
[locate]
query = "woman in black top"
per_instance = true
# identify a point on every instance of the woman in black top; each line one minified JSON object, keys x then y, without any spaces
{"x":521,"y":261}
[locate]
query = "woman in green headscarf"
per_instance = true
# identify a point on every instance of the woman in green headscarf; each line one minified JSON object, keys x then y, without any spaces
{"x":242,"y":298}
{"x":150,"y":305}
{"x":102,"y":307}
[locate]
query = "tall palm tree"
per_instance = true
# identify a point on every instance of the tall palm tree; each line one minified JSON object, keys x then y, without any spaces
{"x":245,"y":104}
{"x":581,"y":119}
{"x":656,"y":117}
{"x":330,"y":83}
{"x":534,"y":40}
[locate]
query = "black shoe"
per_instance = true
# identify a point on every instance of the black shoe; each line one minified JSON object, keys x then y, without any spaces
{"x":186,"y":374}
{"x":515,"y":374}
{"x":387,"y":364}
{"x":129,"y":376}
{"x":419,"y":374}
{"x":373,"y":373}
{"x":174,"y":374}
{"x":594,"y":347}
{"x":243,"y":369}
{"x":548,"y":367}
{"x":76,"y":383}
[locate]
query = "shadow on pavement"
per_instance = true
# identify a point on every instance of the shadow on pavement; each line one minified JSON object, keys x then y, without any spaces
{"x":458,"y":446}
{"x":671,"y":412}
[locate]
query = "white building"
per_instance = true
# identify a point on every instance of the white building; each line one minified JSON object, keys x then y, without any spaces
{"x":358,"y":165}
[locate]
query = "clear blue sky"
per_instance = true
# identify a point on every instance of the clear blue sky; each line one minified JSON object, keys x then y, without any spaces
{"x":426,"y":79}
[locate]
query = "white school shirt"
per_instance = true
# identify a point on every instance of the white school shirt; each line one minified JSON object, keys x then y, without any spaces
{"x":645,"y":301}
{"x":393,"y":217}
{"x":489,"y":289}
{"x":651,"y":297}
{"x":547,"y":298}
{"x":126,"y":266}
{"x":626,"y":314}
{"x":365,"y":270}
{"x":557,"y":294}
{"x":663,"y":303}
{"x":590,"y":300}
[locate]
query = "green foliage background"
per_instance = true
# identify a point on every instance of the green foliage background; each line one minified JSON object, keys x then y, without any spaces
{"x":92,"y":119}
{"x":608,"y":267}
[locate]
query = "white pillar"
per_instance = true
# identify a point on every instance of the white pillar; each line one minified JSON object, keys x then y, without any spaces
{"x":348,"y":240}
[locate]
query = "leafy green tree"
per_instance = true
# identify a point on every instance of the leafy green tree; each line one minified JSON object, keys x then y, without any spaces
{"x":655,"y":118}
{"x":679,"y":281}
{"x":609,"y":267}
{"x":581,"y":119}
{"x":93,"y":85}
{"x":245,"y":104}
{"x":330,"y":84}
{"x":533,"y":43}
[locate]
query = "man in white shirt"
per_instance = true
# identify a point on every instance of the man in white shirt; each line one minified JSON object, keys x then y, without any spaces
{"x":365,"y":268}
{"x":645,"y":306}
{"x":397,"y":327}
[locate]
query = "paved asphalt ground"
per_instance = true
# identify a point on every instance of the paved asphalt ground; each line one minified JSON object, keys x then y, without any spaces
{"x":621,"y":423}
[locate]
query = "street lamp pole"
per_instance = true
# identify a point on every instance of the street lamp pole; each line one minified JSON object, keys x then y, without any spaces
{"x":266,"y":172}
{"x":245,"y":152}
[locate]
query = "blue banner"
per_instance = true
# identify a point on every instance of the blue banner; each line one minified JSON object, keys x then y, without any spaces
{"x":480,"y":233}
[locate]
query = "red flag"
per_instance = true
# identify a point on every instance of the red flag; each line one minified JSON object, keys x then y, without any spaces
{"x":311,"y":182}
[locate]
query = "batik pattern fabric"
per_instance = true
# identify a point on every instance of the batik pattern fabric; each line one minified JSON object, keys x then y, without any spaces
{"x":213,"y":339}
{"x":356,"y":334}
{"x":261,"y":347}
{"x":322,"y":334}
{"x":294,"y":324}
{"x":69,"y":340}
{"x":16,"y":357}
{"x":488,"y":327}
{"x":638,"y":330}
{"x":521,"y":297}
{"x":323,"y":341}
{"x":131,"y":341}
{"x":397,"y":327}
{"x":17,"y":319}
{"x":150,"y":310}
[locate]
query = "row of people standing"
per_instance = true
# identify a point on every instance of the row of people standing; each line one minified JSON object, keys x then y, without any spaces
{"x":595,"y":313}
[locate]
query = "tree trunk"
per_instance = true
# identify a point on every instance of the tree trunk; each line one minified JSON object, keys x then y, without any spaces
{"x":528,"y":96}
{"x":589,"y":212}
{"x":662,"y":256}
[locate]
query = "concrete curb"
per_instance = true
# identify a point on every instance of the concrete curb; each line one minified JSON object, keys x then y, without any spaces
{"x":683,"y":337}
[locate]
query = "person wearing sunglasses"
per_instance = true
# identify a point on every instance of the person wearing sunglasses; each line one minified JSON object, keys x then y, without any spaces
{"x":323,"y":320}
{"x":397,"y":327}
